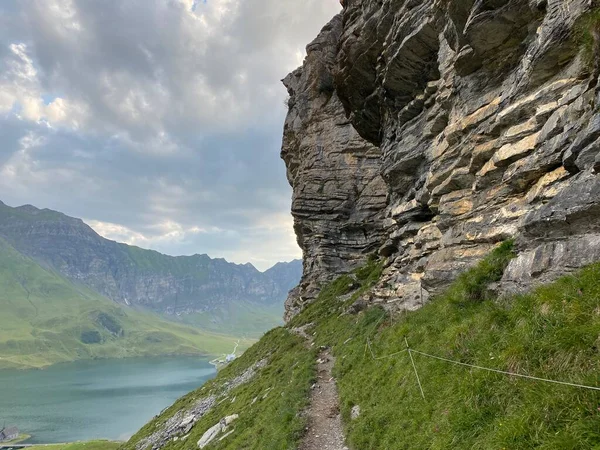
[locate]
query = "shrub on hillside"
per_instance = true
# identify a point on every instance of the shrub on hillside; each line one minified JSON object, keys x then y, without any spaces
{"x":91,"y":337}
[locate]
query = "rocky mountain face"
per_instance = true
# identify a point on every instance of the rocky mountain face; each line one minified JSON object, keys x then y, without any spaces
{"x":429,"y":131}
{"x":138,"y":277}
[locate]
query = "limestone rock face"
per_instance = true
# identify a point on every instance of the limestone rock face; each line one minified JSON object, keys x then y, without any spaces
{"x":339,"y":194}
{"x":432,"y":130}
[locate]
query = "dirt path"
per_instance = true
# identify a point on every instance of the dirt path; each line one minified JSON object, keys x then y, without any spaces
{"x":324,"y":431}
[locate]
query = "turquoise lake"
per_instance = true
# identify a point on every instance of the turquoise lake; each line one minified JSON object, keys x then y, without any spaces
{"x":104,"y":399}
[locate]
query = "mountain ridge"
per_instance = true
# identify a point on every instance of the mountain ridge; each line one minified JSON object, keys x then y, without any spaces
{"x":131,"y":275}
{"x":46,"y":319}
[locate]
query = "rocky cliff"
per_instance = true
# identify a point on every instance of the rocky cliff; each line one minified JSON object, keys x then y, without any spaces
{"x":138,"y":277}
{"x":429,"y":131}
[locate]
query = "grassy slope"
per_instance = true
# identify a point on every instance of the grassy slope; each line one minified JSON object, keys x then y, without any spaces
{"x":43,"y":316}
{"x":235,"y":318}
{"x":240,"y":319}
{"x":21,"y":214}
{"x":552,"y":333}
{"x":187,"y":267}
{"x":269,"y":422}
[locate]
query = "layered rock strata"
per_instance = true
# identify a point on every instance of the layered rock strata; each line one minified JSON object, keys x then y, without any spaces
{"x":432,"y":130}
{"x":339,"y":193}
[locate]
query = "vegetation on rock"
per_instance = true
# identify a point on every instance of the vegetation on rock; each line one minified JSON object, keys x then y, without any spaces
{"x":551,"y":332}
{"x":588,"y":33}
{"x":450,"y":128}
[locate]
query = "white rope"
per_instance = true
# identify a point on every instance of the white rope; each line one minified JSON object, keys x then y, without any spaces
{"x":414,"y":367}
{"x":502,"y":371}
{"x":382,"y":357}
{"x":392,"y":355}
{"x":377,"y":323}
{"x":370,"y":349}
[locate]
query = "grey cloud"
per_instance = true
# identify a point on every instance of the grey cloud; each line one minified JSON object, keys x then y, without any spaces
{"x":202,"y":152}
{"x":166,"y":56}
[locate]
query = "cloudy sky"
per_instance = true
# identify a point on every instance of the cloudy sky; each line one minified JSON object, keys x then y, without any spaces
{"x":156,"y":121}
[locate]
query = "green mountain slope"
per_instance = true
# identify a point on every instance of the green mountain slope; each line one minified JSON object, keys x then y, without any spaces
{"x":551,"y":333}
{"x":237,"y":319}
{"x":132,"y":276}
{"x":46,"y":319}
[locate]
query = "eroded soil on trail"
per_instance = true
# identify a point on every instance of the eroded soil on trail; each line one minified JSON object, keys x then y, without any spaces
{"x":324,"y":430}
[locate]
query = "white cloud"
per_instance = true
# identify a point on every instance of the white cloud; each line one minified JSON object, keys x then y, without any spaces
{"x":159,"y":234}
{"x":160,"y":120}
{"x":117,"y":232}
{"x":168,"y":64}
{"x":21,"y":92}
{"x":275,"y":229}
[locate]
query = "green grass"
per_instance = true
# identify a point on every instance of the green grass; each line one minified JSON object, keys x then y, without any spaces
{"x":553,"y":332}
{"x":46,"y":319}
{"x":238,"y":319}
{"x":25,"y":215}
{"x":584,"y":31}
{"x":91,"y":445}
{"x":269,"y":405}
{"x":185,"y":267}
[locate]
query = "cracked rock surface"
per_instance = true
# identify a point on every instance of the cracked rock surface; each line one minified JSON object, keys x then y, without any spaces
{"x":431,"y":131}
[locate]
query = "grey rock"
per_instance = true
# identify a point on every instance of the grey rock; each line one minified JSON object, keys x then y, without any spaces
{"x":213,"y":432}
{"x":587,"y":157}
{"x":574,"y":210}
{"x":549,"y":260}
{"x":339,"y":195}
{"x":582,"y":152}
{"x":358,"y":306}
{"x":183,"y":421}
{"x":388,"y":249}
{"x":178,"y":425}
{"x":450,"y":127}
{"x":210,"y":435}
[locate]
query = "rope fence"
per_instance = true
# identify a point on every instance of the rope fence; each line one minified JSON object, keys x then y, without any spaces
{"x":410,"y":352}
{"x":415,"y":367}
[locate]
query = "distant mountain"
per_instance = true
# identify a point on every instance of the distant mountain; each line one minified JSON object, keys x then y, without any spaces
{"x":45,"y":319}
{"x":177,"y":286}
{"x":285,"y":274}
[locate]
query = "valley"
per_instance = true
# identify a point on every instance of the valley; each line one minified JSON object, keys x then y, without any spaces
{"x":46,"y":319}
{"x":58,"y":306}
{"x":442,"y":160}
